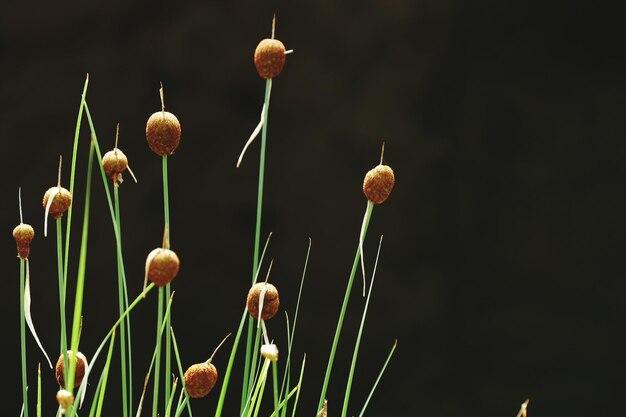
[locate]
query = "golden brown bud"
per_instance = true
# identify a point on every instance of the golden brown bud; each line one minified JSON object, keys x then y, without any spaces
{"x":269,"y":58}
{"x":200,"y":379}
{"x":61,"y":202}
{"x":163,"y":133}
{"x":162,"y":266}
{"x":65,"y":400}
{"x":23,"y":235}
{"x":270,"y":301}
{"x":378,"y":183}
{"x":81,"y":364}
{"x":114,"y":163}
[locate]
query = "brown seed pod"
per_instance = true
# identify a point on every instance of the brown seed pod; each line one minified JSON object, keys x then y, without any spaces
{"x":270,"y":301}
{"x":378,"y":183}
{"x":162,"y":266}
{"x":200,"y":379}
{"x":23,"y":235}
{"x":114,"y":163}
{"x":269,"y":58}
{"x":163,"y":133}
{"x":81,"y":364}
{"x":61,"y":202}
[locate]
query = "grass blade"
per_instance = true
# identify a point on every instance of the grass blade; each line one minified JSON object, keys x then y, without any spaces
{"x":380,"y":374}
{"x":105,"y":376}
{"x":23,"y":340}
{"x":180,"y":371}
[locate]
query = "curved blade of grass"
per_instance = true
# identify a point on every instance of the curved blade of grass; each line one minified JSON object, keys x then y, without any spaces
{"x":105,"y":376}
{"x":80,"y":281}
{"x":181,"y":407}
{"x":83,"y":385}
{"x":295,"y":319}
{"x":27,"y":315}
{"x":295,"y":404}
{"x":382,"y":370}
{"x":342,"y":314}
{"x":233,"y":352}
{"x":23,"y":341}
{"x":348,"y":389}
{"x":254,"y":134}
{"x":96,"y":395}
{"x":180,"y":371}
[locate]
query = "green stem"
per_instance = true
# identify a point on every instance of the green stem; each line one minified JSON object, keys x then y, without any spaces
{"x":380,"y":374}
{"x":122,"y":304}
{"x":168,"y":336}
{"x":355,"y":265}
{"x":181,"y":372}
{"x":23,"y":337}
{"x":105,"y":375}
{"x":39,"y":391}
{"x":257,"y":236}
{"x":63,"y":337}
{"x":275,"y":384}
{"x":157,"y":363}
{"x":346,"y":397}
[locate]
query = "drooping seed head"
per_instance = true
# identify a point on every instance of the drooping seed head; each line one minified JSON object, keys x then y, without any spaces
{"x":61,"y":202}
{"x":270,"y":352}
{"x":269,"y":58}
{"x":200,"y":379}
{"x":114,"y":163}
{"x":162,"y":266}
{"x":23,"y":235}
{"x":81,"y":365}
{"x":65,"y":400}
{"x":271,"y":301}
{"x":163,"y":133}
{"x":378,"y":183}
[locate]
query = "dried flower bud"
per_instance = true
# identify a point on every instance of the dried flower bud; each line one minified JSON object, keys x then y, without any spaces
{"x":270,"y":301}
{"x":162,"y":266}
{"x":81,"y":365}
{"x":163,"y":133}
{"x":61,"y":202}
{"x":200,"y":379}
{"x":269,"y":58}
{"x":270,"y":352}
{"x":378,"y":183}
{"x":114,"y":163}
{"x":23,"y":235}
{"x":65,"y":400}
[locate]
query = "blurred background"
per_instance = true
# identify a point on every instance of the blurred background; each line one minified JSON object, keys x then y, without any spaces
{"x":501,"y":273}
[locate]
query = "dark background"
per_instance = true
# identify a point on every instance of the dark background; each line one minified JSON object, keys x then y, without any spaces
{"x":501,"y":273}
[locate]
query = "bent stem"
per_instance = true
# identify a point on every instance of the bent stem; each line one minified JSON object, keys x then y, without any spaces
{"x":342,"y":314}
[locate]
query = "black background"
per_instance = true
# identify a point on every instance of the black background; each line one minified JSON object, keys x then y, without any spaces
{"x":501,"y":272}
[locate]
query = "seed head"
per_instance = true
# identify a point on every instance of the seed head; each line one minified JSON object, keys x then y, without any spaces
{"x":65,"y":400}
{"x":269,"y":58}
{"x":114,"y":163}
{"x":270,"y":352}
{"x":81,"y":364}
{"x":163,"y":133}
{"x":61,"y":202}
{"x":270,"y":301}
{"x":23,"y":235}
{"x":378,"y":183}
{"x":162,"y":265}
{"x":200,"y":379}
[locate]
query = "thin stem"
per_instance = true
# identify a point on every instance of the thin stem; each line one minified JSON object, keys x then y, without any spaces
{"x":168,"y":336}
{"x":180,"y":371}
{"x":105,"y":376}
{"x":346,"y":397}
{"x":257,"y":233}
{"x":157,"y":363}
{"x":39,"y":390}
{"x":275,"y":384}
{"x":342,"y":314}
{"x":63,"y":337}
{"x":23,"y":338}
{"x":122,"y":305}
{"x":380,"y":374}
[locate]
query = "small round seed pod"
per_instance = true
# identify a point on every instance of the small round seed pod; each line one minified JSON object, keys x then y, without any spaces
{"x":81,"y":364}
{"x":270,"y":301}
{"x":162,"y":266}
{"x":23,"y":235}
{"x":378,"y":183}
{"x":163,"y":133}
{"x":114,"y":163}
{"x":200,"y":379}
{"x":269,"y":58}
{"x":61,"y":202}
{"x":65,"y":400}
{"x":270,"y":352}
